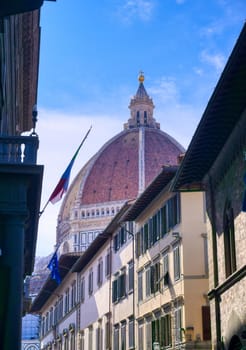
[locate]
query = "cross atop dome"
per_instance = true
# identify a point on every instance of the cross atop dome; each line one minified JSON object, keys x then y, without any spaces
{"x":141,"y":107}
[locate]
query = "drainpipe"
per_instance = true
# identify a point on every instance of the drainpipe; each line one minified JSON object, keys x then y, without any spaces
{"x":215,"y":263}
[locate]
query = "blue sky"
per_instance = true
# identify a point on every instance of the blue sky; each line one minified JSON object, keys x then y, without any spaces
{"x":90,"y":56}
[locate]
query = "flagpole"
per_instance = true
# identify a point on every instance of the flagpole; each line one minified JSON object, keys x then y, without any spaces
{"x":81,"y":144}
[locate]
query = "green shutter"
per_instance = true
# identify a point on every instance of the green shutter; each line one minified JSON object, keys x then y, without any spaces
{"x":115,"y":291}
{"x":164,"y":229}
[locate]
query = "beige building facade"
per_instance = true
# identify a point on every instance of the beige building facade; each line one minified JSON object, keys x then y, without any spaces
{"x":141,"y":284}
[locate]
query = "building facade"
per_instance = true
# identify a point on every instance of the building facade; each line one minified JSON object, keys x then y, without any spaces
{"x":20,"y":176}
{"x":217,"y":152}
{"x":135,"y":286}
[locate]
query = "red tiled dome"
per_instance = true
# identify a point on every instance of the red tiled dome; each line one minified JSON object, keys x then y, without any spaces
{"x":114,"y":175}
{"x":122,"y":168}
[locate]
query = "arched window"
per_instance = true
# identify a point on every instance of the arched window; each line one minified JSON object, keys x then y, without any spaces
{"x":138,"y":118}
{"x":145,"y":117}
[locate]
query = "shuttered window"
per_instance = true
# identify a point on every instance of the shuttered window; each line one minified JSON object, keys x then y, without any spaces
{"x":140,"y":286}
{"x":176,"y":262}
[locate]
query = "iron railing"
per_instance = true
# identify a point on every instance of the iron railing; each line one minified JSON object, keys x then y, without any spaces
{"x":18,"y":149}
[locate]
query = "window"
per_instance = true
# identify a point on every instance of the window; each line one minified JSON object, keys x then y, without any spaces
{"x":122,"y":285}
{"x":73,"y":294}
{"x":178,"y":326}
{"x":120,"y":238}
{"x":155,"y":277}
{"x":83,"y":240}
{"x":60,"y":308}
{"x":116,"y":337}
{"x":148,"y":338}
{"x":107,"y":333}
{"x":161,"y":331}
{"x":150,"y":236}
{"x":46,"y":322}
{"x":140,"y":285}
{"x":176,"y":263}
{"x":138,"y":244}
{"x":72,"y":340}
{"x":123,"y":336}
{"x":65,"y":342}
{"x":66,"y":301}
{"x":99,"y":337}
{"x":166,"y":338}
{"x":82,"y":341}
{"x":90,"y":284}
{"x":145,"y":237}
{"x":155,"y":328}
{"x":90,"y":338}
{"x":122,"y":235}
{"x":165,"y":270}
{"x":163,"y":220}
{"x":138,"y":118}
{"x":116,"y":243}
{"x":130,"y":276}
{"x":119,"y":287}
{"x":51,"y":317}
{"x":145,"y":117}
{"x":130,"y":229}
{"x":174,"y":211}
{"x":115,"y":291}
{"x":90,"y":237}
{"x":229,"y":241}
{"x":56,"y":312}
{"x":82,"y":289}
{"x":108,"y":263}
{"x":140,"y":337}
{"x":100,"y":272}
{"x":157,"y":226}
{"x":131,"y":333}
{"x":43,"y":326}
{"x":147,"y":282}
{"x":76,"y":242}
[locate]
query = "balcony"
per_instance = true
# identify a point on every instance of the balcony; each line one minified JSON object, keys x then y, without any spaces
{"x":18,"y":149}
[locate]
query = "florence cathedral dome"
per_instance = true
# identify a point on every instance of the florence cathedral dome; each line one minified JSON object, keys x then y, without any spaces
{"x":118,"y":172}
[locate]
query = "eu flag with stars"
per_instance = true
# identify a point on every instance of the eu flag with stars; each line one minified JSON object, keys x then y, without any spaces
{"x":54,"y":268}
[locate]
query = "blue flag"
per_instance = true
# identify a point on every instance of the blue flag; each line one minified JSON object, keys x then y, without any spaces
{"x":54,"y":268}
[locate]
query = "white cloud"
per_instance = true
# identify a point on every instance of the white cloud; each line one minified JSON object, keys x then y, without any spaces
{"x":177,"y":118}
{"x":165,"y":90}
{"x":132,"y":9}
{"x":216,"y":60}
{"x":198,"y":71}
